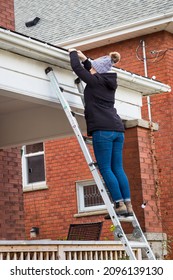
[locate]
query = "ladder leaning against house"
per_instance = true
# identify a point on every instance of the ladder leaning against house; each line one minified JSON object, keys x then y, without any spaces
{"x":118,"y":230}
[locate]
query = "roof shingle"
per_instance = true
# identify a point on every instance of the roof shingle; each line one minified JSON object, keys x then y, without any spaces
{"x":63,"y":19}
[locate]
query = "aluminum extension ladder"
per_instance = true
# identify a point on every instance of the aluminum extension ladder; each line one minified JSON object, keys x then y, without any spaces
{"x":118,"y":231}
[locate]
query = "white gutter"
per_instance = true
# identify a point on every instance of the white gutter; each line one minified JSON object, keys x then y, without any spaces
{"x":30,"y":47}
{"x":118,"y":31}
{"x":42,"y":51}
{"x":149,"y":84}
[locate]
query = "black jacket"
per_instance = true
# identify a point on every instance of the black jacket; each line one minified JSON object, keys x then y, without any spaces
{"x":99,"y":97}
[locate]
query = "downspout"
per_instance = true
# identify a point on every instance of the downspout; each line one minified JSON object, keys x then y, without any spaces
{"x":146,"y":75}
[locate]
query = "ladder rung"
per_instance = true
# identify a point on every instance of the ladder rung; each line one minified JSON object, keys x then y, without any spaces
{"x":77,"y":113}
{"x":126,"y":219}
{"x":88,"y":140}
{"x":138,"y":244}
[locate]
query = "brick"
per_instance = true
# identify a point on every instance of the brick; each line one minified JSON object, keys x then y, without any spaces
{"x":7,"y":14}
{"x":12,"y":197}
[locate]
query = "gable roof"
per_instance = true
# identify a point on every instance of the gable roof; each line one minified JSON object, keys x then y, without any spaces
{"x":62,"y":21}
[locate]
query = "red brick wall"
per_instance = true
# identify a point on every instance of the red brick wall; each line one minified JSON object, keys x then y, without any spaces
{"x":161,"y":110}
{"x":162,"y":113}
{"x":53,"y":210}
{"x":142,"y":173}
{"x":7,"y":14}
{"x":131,"y":59}
{"x":11,"y":195}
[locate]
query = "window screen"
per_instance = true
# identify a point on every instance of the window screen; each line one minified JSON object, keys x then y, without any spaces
{"x":92,"y":196}
{"x":33,"y":165}
{"x":36,"y":169}
{"x":34,"y":148}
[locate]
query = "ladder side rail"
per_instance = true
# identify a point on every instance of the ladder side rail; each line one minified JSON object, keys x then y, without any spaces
{"x":148,"y":250}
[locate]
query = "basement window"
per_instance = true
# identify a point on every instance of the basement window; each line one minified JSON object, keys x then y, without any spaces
{"x":33,"y":167}
{"x":88,"y":197}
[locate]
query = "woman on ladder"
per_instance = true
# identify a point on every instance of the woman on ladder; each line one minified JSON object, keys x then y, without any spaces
{"x":104,"y":124}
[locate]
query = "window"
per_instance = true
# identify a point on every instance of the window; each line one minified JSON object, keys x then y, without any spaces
{"x":33,"y":168}
{"x":88,"y":197}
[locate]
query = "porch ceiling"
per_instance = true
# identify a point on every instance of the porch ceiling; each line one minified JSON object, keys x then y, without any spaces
{"x":24,"y":122}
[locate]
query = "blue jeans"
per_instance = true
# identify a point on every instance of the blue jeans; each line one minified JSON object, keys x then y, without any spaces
{"x":108,"y":150}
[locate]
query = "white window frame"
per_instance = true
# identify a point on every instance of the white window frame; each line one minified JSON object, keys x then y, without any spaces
{"x":80,"y":197}
{"x":30,"y":186}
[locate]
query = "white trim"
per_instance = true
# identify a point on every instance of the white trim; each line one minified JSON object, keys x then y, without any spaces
{"x":156,"y":86}
{"x":42,"y":51}
{"x":30,"y":186}
{"x":159,"y":22}
{"x":80,"y":197}
{"x":35,"y":187}
{"x":33,"y":48}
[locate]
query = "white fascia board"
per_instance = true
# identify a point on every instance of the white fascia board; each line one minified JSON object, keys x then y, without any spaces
{"x":42,"y":51}
{"x":33,"y":48}
{"x":141,"y":84}
{"x":159,"y":22}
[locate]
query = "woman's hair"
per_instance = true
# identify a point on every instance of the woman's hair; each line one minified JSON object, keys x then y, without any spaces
{"x":115,"y":57}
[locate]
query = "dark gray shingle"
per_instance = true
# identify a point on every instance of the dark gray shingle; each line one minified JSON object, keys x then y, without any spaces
{"x":63,"y":19}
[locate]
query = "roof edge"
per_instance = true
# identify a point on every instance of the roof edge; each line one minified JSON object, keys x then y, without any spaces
{"x":42,"y":51}
{"x":126,"y":31}
{"x":150,"y":84}
{"x":27,"y":46}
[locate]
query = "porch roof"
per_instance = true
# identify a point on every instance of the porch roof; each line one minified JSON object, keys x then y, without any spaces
{"x":29,"y":109}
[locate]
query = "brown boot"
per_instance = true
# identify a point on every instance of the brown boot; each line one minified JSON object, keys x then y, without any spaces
{"x":120,"y":208}
{"x":129,"y":208}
